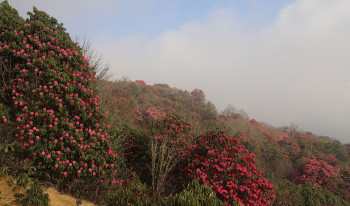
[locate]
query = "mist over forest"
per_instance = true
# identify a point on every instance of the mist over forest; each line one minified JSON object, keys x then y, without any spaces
{"x":174,"y":103}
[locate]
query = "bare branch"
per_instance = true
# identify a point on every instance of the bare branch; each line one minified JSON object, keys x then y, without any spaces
{"x":95,"y":58}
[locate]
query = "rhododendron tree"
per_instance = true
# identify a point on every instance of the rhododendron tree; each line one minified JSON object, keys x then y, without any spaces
{"x":291,"y":147}
{"x":198,"y":95}
{"x":227,"y":167}
{"x":255,"y":123}
{"x":167,"y":146}
{"x":48,"y":97}
{"x":343,"y":188}
{"x":317,"y":172}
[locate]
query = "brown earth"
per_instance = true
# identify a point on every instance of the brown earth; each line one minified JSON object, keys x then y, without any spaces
{"x":56,"y":198}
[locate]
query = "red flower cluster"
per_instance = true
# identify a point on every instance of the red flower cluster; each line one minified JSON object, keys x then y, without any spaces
{"x":318,"y":172}
{"x":48,"y":92}
{"x":141,"y":83}
{"x":223,"y":164}
{"x":255,"y":123}
{"x":291,"y":147}
{"x":198,"y":95}
{"x":153,"y":114}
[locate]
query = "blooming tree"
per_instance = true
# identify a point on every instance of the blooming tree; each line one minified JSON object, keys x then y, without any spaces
{"x":317,"y":172}
{"x":226,"y":166}
{"x":47,"y":96}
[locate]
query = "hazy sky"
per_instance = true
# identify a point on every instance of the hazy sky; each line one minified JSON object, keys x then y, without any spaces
{"x":281,"y":61}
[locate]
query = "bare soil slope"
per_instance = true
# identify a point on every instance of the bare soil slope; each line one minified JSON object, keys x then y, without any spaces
{"x":56,"y":198}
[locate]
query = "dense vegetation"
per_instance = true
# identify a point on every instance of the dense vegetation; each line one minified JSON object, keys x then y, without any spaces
{"x":128,"y":143}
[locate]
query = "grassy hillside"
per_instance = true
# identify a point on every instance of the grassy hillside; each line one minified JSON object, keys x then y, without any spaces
{"x":128,"y":143}
{"x":282,"y":153}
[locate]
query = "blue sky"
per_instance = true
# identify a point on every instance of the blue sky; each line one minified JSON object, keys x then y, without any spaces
{"x":281,"y":61}
{"x":152,"y":18}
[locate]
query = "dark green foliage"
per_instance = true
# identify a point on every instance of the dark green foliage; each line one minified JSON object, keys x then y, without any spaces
{"x":288,"y":193}
{"x":318,"y":196}
{"x":137,"y":153}
{"x":333,"y":148}
{"x":34,"y":196}
{"x":23,"y":180}
{"x":10,"y":183}
{"x":2,"y":172}
{"x":133,"y":193}
{"x":196,"y":195}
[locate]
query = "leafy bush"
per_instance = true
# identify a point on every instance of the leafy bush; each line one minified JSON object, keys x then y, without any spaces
{"x":317,"y":196}
{"x":137,"y":153}
{"x":226,"y":166}
{"x":47,"y":93}
{"x":317,"y":172}
{"x":34,"y":196}
{"x":133,"y":193}
{"x":172,"y":134}
{"x":196,"y":195}
{"x":288,"y":193}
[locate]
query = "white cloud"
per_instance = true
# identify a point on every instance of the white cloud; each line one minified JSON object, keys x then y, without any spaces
{"x":81,"y":17}
{"x":297,"y":69}
{"x":294,"y":70}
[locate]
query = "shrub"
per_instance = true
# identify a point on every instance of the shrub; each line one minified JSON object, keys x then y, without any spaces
{"x":132,"y":193}
{"x":137,"y":153}
{"x":196,"y":195}
{"x":34,"y":196}
{"x":221,"y":163}
{"x":288,"y":193}
{"x":317,"y":196}
{"x":317,"y":172}
{"x":47,"y":93}
{"x":166,"y":149}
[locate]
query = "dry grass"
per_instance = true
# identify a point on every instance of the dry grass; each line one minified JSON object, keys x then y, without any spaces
{"x":56,"y":198}
{"x":6,"y":193}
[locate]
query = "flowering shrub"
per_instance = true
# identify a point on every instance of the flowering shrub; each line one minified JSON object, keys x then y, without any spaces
{"x":317,"y":172}
{"x":221,"y":163}
{"x":47,"y":94}
{"x":255,"y":123}
{"x":343,"y":189}
{"x":167,"y":147}
{"x":198,"y":95}
{"x":137,"y":154}
{"x":173,"y":127}
{"x":291,"y":147}
{"x":270,"y":138}
{"x":170,"y":129}
{"x":153,"y":114}
{"x":141,"y":83}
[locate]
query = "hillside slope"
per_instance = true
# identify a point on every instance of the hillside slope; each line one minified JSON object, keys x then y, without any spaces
{"x":282,"y":153}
